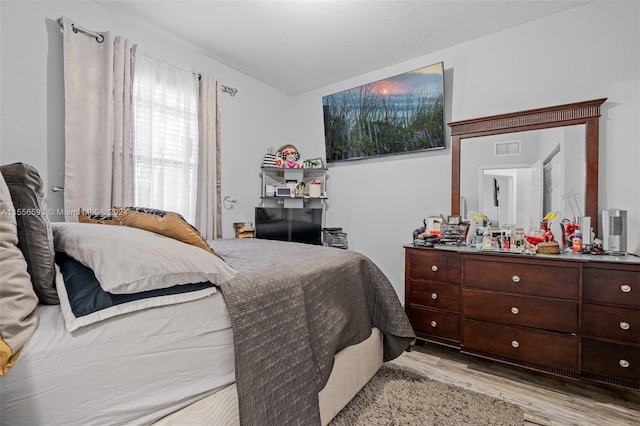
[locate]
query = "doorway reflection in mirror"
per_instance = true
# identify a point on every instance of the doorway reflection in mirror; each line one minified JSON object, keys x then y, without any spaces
{"x":528,"y":173}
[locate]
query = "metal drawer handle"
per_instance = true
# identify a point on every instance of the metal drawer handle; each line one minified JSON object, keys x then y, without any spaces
{"x":624,"y":363}
{"x":434,"y":296}
{"x":434,"y":324}
{"x":515,"y":311}
{"x":626,"y":288}
{"x":515,"y":278}
{"x":624,"y":325}
{"x":515,"y":343}
{"x":434,"y":268}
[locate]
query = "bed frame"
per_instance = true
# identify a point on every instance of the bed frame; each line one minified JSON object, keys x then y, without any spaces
{"x":354,"y":366}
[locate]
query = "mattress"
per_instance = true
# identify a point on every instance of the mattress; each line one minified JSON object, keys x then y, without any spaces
{"x":354,"y":366}
{"x":148,"y":363}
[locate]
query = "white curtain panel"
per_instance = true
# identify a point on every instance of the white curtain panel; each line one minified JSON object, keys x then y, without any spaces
{"x":209,"y":199}
{"x":122,"y":193}
{"x":97,"y":97}
{"x":166,"y":136}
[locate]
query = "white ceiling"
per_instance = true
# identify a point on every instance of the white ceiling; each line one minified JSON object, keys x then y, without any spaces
{"x":298,"y":46}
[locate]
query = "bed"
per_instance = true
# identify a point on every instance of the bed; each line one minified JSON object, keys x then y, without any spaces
{"x":287,"y":335}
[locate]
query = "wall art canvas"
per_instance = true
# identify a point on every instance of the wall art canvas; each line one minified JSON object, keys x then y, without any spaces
{"x":399,"y":114}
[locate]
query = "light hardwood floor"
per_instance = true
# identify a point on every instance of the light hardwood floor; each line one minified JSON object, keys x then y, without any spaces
{"x":545,"y":399}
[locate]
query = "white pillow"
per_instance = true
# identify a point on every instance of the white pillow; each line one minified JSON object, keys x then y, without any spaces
{"x":131,"y":260}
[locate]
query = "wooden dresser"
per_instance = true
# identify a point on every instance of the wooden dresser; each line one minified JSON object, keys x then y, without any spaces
{"x":611,"y":323}
{"x":575,"y":316}
{"x":432,"y":288}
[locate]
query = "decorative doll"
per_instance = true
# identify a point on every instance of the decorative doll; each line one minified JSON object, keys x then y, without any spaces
{"x":289,"y":159}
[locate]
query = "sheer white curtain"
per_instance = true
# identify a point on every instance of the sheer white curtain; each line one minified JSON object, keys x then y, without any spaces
{"x":166,"y":136}
{"x":97,"y":81}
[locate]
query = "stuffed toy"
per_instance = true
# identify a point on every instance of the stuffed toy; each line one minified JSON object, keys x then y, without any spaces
{"x":288,"y":159}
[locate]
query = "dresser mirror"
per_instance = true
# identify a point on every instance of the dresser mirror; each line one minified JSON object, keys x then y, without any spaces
{"x":516,"y":167}
{"x":515,"y":179}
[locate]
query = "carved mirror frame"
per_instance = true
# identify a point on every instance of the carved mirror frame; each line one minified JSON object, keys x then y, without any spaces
{"x":587,"y":113}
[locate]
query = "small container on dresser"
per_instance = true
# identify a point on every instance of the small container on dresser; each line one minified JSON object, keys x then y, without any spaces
{"x":432,"y":294}
{"x":611,"y":323}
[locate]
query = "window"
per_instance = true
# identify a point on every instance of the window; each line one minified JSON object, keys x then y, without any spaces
{"x":507,"y":148}
{"x":165,"y":136}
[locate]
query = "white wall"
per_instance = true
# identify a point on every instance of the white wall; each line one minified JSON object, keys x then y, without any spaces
{"x":585,"y":53}
{"x":31,"y":91}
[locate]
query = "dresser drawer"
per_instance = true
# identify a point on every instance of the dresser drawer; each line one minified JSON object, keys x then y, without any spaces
{"x":435,"y":295}
{"x":524,"y":278}
{"x":609,"y":359}
{"x":426,"y":322}
{"x":434,"y":266}
{"x":547,"y":314}
{"x":613,"y":323}
{"x":611,"y":286}
{"x":539,"y":347}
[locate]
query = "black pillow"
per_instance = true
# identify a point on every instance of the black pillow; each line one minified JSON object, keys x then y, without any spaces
{"x":86,"y":296}
{"x":35,"y":238}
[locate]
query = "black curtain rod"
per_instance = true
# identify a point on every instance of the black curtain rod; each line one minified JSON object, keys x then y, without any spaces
{"x":100,"y":38}
{"x":225,"y":89}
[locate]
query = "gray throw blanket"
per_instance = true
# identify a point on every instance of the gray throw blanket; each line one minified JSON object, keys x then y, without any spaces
{"x":292,"y":307}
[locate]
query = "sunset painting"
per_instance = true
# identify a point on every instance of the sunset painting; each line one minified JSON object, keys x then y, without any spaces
{"x":400,"y":114}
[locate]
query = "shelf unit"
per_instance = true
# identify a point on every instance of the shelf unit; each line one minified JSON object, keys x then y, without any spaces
{"x":277,"y":176}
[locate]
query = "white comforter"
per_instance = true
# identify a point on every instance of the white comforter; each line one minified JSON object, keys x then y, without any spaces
{"x":148,"y":364}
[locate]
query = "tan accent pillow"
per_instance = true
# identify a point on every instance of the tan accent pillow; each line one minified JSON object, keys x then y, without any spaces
{"x":18,"y":300}
{"x":163,"y":222}
{"x":85,"y":217}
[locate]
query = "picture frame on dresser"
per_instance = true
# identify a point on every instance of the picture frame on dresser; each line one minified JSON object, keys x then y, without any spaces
{"x":454,"y":220}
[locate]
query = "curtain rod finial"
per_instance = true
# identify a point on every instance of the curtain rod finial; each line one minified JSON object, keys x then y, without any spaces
{"x":230,"y":90}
